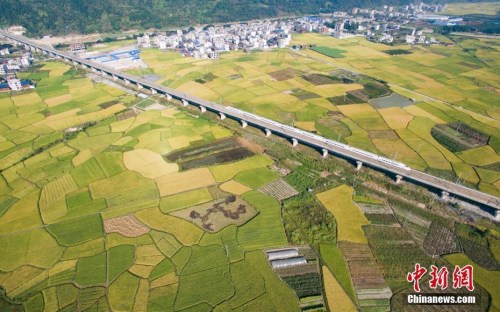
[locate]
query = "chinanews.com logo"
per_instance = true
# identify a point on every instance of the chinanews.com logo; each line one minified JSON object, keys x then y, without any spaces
{"x":462,"y":277}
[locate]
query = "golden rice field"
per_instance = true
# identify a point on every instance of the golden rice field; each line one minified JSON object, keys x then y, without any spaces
{"x":249,"y":82}
{"x":85,"y":222}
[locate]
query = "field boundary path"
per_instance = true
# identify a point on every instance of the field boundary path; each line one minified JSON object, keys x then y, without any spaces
{"x":270,"y":126}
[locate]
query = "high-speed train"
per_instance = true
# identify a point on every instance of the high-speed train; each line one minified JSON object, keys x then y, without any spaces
{"x":322,"y":139}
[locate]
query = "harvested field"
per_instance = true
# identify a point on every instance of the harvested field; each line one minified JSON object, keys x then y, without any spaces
{"x":216,"y":215}
{"x":127,"y":226}
{"x":279,"y":189}
{"x":304,"y":94}
{"x":284,"y":74}
{"x":200,"y":151}
{"x":321,"y":79}
{"x":217,"y":158}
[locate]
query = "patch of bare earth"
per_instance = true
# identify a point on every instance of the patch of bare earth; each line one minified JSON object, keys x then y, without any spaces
{"x":254,"y":147}
{"x":128,"y":226}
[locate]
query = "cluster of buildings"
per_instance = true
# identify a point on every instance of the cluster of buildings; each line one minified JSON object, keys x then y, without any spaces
{"x":208,"y":42}
{"x":391,"y":25}
{"x":10,"y":64}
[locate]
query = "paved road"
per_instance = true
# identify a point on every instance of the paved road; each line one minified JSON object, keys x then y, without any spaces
{"x":287,"y":131}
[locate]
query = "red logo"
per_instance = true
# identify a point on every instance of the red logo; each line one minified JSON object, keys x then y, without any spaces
{"x":415,"y":276}
{"x":439,"y":278}
{"x":462,"y":277}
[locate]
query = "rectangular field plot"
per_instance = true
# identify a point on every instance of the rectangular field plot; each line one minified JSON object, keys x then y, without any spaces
{"x":279,"y":189}
{"x":178,"y":182}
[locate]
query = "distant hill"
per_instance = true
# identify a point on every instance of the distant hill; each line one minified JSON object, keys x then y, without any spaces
{"x":77,"y":16}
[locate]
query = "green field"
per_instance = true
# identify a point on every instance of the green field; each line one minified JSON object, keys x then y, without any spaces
{"x":84,"y":221}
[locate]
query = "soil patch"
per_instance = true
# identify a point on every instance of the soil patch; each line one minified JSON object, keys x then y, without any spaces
{"x":217,"y":158}
{"x":128,"y":226}
{"x":216,"y":215}
{"x":284,"y":74}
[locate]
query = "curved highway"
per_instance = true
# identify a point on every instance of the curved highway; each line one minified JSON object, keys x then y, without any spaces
{"x":284,"y":130}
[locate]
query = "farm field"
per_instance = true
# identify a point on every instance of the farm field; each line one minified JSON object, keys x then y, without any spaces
{"x":488,"y":8}
{"x":302,"y":87}
{"x":349,"y":217}
{"x":101,"y":220}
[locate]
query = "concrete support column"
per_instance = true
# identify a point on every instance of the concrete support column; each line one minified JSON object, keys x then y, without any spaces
{"x":115,"y":78}
{"x":202,"y":109}
{"x":75,"y":63}
{"x":83,"y":66}
{"x":185,"y":102}
{"x":153,"y":91}
{"x":169,"y":97}
{"x":445,"y":195}
{"x":324,"y":152}
{"x":294,"y":142}
{"x":94,"y":69}
{"x":127,"y":82}
{"x":359,"y":164}
{"x":139,"y":86}
{"x":222,"y":116}
{"x":244,"y":124}
{"x":398,"y":179}
{"x":268,"y":133}
{"x":497,"y":215}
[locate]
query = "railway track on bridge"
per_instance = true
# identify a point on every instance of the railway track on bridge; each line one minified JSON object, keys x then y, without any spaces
{"x":325,"y":145}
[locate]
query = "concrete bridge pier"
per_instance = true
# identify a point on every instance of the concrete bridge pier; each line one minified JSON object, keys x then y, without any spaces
{"x":127,"y":82}
{"x":222,"y":116}
{"x":75,"y":63}
{"x":169,"y":97}
{"x":445,"y":195}
{"x":359,"y":164}
{"x":185,"y":102}
{"x":95,"y":70}
{"x":115,"y":78}
{"x":244,"y":124}
{"x":139,"y":86}
{"x":398,"y":179}
{"x":153,"y":91}
{"x":268,"y":132}
{"x":295,"y":142}
{"x":203,"y":109}
{"x":324,"y":153}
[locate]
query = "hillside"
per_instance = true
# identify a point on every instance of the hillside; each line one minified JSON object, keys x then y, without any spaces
{"x":74,"y":16}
